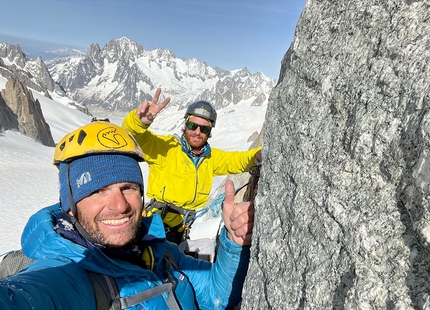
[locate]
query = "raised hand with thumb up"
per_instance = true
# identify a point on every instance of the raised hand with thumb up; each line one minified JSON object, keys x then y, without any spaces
{"x":238,"y":217}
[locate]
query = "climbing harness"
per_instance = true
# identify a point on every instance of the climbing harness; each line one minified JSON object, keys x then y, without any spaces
{"x":165,"y":207}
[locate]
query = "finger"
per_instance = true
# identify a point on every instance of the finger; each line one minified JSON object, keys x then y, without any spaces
{"x":243,"y":235}
{"x":241,"y":216}
{"x":244,"y":231}
{"x":258,"y":157}
{"x":142,"y":108}
{"x":163,"y":104}
{"x":153,"y":110}
{"x":156,"y":96}
{"x":150,"y":117}
{"x":228,"y":204}
{"x":243,"y":210}
{"x":247,"y":239}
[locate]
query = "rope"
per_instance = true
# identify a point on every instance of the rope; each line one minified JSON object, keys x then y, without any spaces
{"x":216,"y":205}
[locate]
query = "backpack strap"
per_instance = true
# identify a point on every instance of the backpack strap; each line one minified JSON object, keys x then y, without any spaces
{"x":151,"y":293}
{"x":107,"y":294}
{"x":105,"y":291}
{"x":169,"y":278}
{"x":169,"y":257}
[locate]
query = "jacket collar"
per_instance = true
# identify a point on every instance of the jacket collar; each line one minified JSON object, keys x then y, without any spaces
{"x":187,"y":149}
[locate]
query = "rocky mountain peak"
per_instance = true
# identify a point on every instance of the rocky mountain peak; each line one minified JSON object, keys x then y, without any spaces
{"x":13,"y":55}
{"x":122,"y":49}
{"x":160,"y":54}
{"x":94,"y":51}
{"x":19,"y":110}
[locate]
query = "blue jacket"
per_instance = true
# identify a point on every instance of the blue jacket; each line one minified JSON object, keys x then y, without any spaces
{"x":58,"y":280}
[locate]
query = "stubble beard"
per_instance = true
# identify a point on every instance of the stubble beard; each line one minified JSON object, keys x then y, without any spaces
{"x":122,"y":238}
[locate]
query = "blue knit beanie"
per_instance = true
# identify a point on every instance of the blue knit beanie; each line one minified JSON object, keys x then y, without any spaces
{"x":89,"y":174}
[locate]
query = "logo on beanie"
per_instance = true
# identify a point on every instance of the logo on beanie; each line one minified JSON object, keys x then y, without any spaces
{"x":109,"y":138}
{"x":83,"y":179}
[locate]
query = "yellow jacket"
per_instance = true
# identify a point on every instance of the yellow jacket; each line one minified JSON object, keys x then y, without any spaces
{"x":173,"y":177}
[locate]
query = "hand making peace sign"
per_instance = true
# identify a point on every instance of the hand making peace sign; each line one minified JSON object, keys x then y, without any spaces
{"x":147,"y":111}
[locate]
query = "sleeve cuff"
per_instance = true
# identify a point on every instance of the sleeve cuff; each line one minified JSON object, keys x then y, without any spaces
{"x":230,"y":246}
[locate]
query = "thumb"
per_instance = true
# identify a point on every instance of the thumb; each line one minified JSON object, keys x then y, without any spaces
{"x":228,"y":205}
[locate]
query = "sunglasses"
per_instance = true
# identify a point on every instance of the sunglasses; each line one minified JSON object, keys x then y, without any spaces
{"x":204,"y":129}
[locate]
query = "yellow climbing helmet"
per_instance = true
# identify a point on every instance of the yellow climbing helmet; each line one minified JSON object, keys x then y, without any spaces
{"x":98,"y":137}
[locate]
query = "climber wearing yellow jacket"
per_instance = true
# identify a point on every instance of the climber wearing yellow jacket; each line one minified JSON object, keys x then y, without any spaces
{"x":181,"y":168}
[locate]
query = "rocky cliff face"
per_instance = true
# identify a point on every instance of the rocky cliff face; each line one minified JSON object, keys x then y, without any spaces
{"x":343,"y":206}
{"x":19,"y":110}
{"x":8,"y":119}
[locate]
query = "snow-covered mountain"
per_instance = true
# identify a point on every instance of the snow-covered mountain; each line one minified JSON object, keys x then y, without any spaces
{"x":115,"y":78}
{"x":123,"y":73}
{"x":33,"y":73}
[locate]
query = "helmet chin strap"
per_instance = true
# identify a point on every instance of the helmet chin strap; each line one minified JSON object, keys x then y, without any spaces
{"x":74,"y":210}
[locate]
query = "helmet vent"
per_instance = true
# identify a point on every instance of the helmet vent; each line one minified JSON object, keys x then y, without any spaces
{"x":81,"y":137}
{"x":62,"y":145}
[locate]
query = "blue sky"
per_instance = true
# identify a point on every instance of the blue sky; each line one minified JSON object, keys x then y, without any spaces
{"x":229,"y":34}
